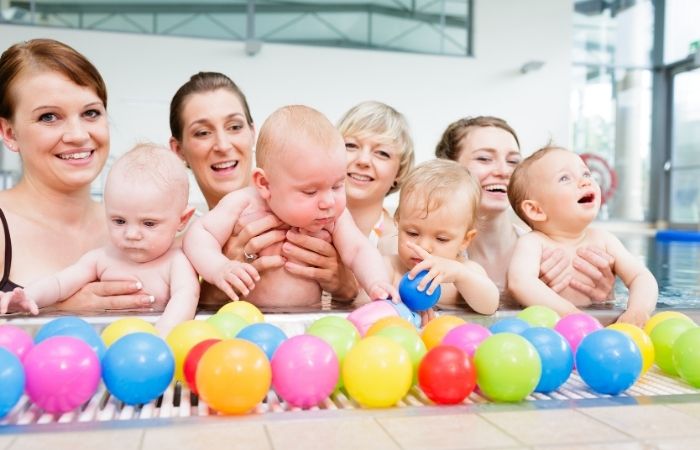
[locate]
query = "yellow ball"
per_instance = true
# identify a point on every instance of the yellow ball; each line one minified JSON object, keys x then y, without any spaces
{"x":660,"y":317}
{"x":121,"y":327}
{"x":185,"y":336}
{"x":249,"y":312}
{"x":377,"y":372}
{"x":643,"y":341}
{"x":435,"y":331}
{"x":391,"y":321}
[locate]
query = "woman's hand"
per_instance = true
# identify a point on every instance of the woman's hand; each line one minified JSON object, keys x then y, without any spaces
{"x":100,"y":296}
{"x":252,"y":239}
{"x":554,"y":269}
{"x":596,"y":265}
{"x":317,"y":259}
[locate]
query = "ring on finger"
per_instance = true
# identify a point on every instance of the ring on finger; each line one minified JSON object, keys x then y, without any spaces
{"x":249,"y":257}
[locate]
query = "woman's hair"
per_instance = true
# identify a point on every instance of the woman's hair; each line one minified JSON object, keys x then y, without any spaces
{"x":45,"y":55}
{"x":432,"y":183}
{"x":373,"y":118}
{"x":197,"y":84}
{"x":448,"y":147}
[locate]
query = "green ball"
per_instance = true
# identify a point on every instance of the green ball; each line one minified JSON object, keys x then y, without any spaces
{"x":686,"y":356}
{"x":341,"y":339}
{"x":228,"y":323}
{"x":508,"y":367}
{"x":663,"y":336}
{"x":410,"y":341}
{"x":335,"y":321}
{"x":539,"y":316}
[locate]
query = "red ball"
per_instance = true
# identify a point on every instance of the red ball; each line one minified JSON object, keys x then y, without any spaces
{"x":446,"y":375}
{"x":189,"y":367}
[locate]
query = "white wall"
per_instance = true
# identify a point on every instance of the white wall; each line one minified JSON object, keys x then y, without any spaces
{"x":143,"y":72}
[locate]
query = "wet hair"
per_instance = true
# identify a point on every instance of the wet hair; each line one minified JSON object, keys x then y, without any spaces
{"x":433,"y":182}
{"x":448,"y":146}
{"x":197,"y":84}
{"x":40,"y":55}
{"x":294,"y":122}
{"x":520,"y":181}
{"x":148,"y":163}
{"x":372,"y":118}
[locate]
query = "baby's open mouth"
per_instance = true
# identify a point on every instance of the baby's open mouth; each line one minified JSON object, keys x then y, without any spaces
{"x":588,"y":198}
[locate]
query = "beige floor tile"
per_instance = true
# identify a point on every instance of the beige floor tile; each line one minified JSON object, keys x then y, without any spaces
{"x":228,"y":434}
{"x":677,"y":444}
{"x":692,"y":409}
{"x":103,"y":440}
{"x":547,"y":427}
{"x":606,"y":446}
{"x":346,"y":433}
{"x":5,"y":441}
{"x":445,"y":431}
{"x":647,"y":421}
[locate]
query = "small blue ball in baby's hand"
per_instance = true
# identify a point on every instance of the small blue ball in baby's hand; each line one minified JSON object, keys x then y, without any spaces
{"x":413,"y":298}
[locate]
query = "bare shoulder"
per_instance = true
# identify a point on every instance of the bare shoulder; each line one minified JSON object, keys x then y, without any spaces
{"x":474,"y":266}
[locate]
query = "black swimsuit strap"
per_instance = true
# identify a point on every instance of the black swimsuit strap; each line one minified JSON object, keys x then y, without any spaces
{"x":8,"y":250}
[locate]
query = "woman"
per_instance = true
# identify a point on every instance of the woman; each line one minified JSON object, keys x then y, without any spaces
{"x":490,"y":149}
{"x":213,"y":132}
{"x":53,"y":113}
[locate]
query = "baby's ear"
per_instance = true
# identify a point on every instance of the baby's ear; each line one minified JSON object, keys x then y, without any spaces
{"x":533,"y":211}
{"x":261,"y":183}
{"x":185,"y":217}
{"x":468,"y":237}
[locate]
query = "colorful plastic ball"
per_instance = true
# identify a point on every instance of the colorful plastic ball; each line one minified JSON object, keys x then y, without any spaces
{"x":575,"y":327}
{"x":186,"y":335}
{"x":466,"y":337}
{"x":366,"y":315}
{"x":539,"y":316}
{"x":686,"y":356}
{"x":393,"y":321}
{"x":54,"y":327}
{"x":555,"y":355}
{"x":233,"y":376}
{"x":189,"y":367}
{"x":508,"y":367}
{"x":377,"y":372}
{"x":62,"y":373}
{"x":248,"y":311}
{"x":305,"y":371}
{"x":663,"y":336}
{"x":446,"y":375}
{"x":11,"y":379}
{"x":410,"y":341}
{"x":265,"y":335}
{"x":643,"y":341}
{"x":509,"y":325}
{"x":437,"y":329}
{"x":15,"y":340}
{"x":608,"y":361}
{"x":127,"y":325}
{"x":411,"y":316}
{"x":228,"y":323}
{"x":415,"y":299}
{"x":341,"y":339}
{"x":138,"y":368}
{"x":336,"y":322}
{"x":87,"y":335}
{"x":662,"y":316}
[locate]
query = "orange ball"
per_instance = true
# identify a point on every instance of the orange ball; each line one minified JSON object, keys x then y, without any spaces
{"x":391,"y":321}
{"x":435,"y":331}
{"x":233,"y":376}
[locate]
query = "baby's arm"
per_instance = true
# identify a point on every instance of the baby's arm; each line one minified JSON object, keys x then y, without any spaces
{"x":523,"y":278}
{"x":643,"y":289}
{"x":363,"y":258}
{"x":206,"y":237}
{"x":55,"y":288}
{"x":184,"y":294}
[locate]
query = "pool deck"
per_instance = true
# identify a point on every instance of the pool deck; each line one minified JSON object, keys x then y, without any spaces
{"x":597,"y":422}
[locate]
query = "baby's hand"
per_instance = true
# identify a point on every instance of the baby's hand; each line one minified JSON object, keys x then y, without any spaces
{"x":426,"y":316}
{"x":18,"y":298}
{"x":440,"y":270}
{"x":635,"y":317}
{"x":382,"y":291}
{"x":236,"y":276}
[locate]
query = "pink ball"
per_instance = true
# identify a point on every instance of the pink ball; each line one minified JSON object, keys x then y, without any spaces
{"x":575,"y":327}
{"x":16,"y":340}
{"x":304,"y":370}
{"x":466,"y":337}
{"x":62,"y":372}
{"x":365,"y":316}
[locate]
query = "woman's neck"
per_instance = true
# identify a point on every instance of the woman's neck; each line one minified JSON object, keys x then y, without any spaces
{"x":495,"y":237}
{"x":365,"y":216}
{"x":35,"y":200}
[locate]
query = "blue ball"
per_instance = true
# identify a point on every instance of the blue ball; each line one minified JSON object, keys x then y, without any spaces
{"x":413,"y":298}
{"x":11,"y":380}
{"x":54,"y":327}
{"x":405,"y":313}
{"x":509,"y":325}
{"x":266,"y":336}
{"x":555,"y":354}
{"x":137,"y":368}
{"x":608,"y":361}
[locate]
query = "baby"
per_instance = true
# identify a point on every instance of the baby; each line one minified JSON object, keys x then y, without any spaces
{"x":146,"y":204}
{"x":300,"y":177}
{"x":435,"y":218}
{"x":554,"y":193}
